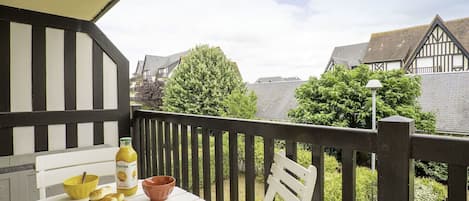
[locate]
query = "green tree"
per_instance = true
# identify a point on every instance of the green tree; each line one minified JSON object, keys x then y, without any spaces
{"x":339,"y":98}
{"x":150,"y":94}
{"x":203,"y":79}
{"x":240,"y":104}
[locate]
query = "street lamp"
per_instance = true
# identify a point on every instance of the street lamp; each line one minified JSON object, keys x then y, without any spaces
{"x":373,"y":85}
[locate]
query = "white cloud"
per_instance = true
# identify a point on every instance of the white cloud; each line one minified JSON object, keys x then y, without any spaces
{"x":264,"y":37}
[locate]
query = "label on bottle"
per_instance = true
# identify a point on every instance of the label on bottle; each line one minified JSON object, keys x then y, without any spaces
{"x":126,"y":175}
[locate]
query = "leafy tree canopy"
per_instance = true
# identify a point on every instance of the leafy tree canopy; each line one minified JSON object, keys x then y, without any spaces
{"x":240,"y":104}
{"x":201,"y":83}
{"x":150,"y":94}
{"x":339,"y":98}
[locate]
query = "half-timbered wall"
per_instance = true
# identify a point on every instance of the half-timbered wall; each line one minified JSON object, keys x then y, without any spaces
{"x":439,"y":54}
{"x":63,"y":84}
{"x":385,"y":66}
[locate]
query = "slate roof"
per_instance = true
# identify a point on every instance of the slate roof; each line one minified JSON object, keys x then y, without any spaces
{"x":397,"y":45}
{"x":275,"y":99}
{"x":349,"y":55}
{"x":276,"y":79}
{"x":139,"y":69}
{"x":152,"y":63}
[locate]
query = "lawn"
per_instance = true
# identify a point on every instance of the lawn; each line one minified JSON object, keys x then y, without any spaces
{"x":259,"y":189}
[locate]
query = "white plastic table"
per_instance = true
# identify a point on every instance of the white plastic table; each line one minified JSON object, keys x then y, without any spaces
{"x":178,"y":194}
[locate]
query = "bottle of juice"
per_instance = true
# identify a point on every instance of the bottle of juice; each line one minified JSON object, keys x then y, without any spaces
{"x":126,"y":168}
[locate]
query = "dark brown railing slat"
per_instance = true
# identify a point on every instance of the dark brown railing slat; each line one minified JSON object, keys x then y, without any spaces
{"x":219,"y":165}
{"x":348,"y":174}
{"x":167,"y":147}
{"x":160,"y":148}
{"x":176,"y":172}
{"x":154,"y":155}
{"x":457,"y":182}
{"x":206,"y":163}
{"x":268,"y":159}
{"x":195,"y":159}
{"x":136,"y":143}
{"x":291,"y":149}
{"x":318,"y":161}
{"x":142,"y":149}
{"x":233,"y":154}
{"x":184,"y":158}
{"x":249,"y":163}
{"x":148,"y":156}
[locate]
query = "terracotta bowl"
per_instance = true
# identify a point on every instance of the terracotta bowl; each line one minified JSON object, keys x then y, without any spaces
{"x":158,"y":188}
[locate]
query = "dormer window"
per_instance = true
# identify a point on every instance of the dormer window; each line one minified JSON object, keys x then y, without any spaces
{"x":163,"y":71}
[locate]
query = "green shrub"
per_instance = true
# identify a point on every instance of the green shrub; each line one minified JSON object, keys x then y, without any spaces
{"x":435,"y":170}
{"x":427,"y":189}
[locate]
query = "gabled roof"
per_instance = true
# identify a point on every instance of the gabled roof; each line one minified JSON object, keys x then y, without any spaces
{"x":348,"y":55}
{"x":438,"y":22}
{"x":275,"y":99}
{"x":398,"y":45}
{"x":153,"y":63}
{"x":139,"y":69}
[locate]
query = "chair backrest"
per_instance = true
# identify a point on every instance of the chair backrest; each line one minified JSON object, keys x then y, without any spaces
{"x":282,"y":181}
{"x":55,"y":168}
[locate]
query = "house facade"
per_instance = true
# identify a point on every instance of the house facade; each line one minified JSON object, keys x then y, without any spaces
{"x":440,"y":46}
{"x":437,"y":52}
{"x":349,"y":56}
{"x":158,"y":67}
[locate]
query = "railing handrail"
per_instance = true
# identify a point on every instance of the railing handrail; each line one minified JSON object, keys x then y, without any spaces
{"x":446,"y":149}
{"x":350,"y":138}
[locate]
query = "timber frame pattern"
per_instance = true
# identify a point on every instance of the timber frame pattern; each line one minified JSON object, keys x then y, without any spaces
{"x":432,"y":48}
{"x":39,"y":118}
{"x":442,"y":46}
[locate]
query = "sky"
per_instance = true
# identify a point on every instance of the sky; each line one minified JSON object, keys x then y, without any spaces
{"x":264,"y":37}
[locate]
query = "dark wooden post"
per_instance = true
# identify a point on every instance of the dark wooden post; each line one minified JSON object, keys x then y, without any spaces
{"x":135,"y":133}
{"x":134,"y":108}
{"x":395,"y":166}
{"x":134,"y":123}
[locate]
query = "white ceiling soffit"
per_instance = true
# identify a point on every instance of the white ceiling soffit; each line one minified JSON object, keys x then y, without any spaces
{"x":89,"y":10}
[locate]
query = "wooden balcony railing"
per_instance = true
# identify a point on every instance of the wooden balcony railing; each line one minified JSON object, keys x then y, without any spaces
{"x":420,"y":70}
{"x":162,"y":141}
{"x":437,"y":69}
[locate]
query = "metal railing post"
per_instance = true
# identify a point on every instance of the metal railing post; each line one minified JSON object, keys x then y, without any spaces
{"x":395,"y":165}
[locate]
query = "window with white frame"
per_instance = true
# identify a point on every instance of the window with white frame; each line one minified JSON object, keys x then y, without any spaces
{"x":457,"y":60}
{"x":146,"y":74}
{"x":393,"y":65}
{"x":162,"y":70}
{"x":425,"y":62}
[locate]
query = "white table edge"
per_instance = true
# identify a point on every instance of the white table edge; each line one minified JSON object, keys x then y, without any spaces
{"x":139,"y":196}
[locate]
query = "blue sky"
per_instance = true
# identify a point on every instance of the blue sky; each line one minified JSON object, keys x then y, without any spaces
{"x":264,"y":37}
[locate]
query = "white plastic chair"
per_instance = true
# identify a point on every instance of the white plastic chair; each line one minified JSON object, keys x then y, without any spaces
{"x":55,"y":168}
{"x":279,"y":179}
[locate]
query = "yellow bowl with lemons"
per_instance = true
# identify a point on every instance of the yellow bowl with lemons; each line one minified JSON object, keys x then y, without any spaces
{"x":77,"y":190}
